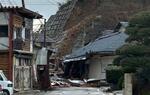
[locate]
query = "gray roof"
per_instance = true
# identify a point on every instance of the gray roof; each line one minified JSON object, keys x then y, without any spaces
{"x":56,"y":23}
{"x":108,"y":43}
{"x":40,"y":38}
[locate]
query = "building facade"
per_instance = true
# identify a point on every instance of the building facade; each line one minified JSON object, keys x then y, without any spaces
{"x":16,"y":25}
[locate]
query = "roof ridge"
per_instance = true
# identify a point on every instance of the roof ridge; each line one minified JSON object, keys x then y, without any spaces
{"x":107,"y":36}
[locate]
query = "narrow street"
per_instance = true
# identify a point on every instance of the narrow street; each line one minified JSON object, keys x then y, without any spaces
{"x":69,"y":91}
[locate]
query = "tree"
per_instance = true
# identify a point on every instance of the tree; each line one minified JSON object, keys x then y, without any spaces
{"x":134,"y":57}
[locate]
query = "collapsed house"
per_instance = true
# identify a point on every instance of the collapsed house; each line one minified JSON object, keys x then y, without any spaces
{"x":76,"y":24}
{"x":91,"y":60}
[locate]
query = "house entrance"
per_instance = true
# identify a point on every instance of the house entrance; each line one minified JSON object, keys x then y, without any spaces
{"x":22,"y":74}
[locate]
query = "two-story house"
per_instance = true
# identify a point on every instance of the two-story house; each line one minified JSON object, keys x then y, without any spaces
{"x":16,"y":48}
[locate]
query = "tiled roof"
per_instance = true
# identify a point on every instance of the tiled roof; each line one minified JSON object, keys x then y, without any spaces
{"x":22,"y":11}
{"x":40,"y":38}
{"x":108,"y":43}
{"x":56,"y":23}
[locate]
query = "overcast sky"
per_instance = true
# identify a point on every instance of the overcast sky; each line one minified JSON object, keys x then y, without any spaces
{"x":44,"y":7}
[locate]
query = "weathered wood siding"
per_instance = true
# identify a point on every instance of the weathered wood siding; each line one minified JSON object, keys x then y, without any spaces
{"x":28,"y":34}
{"x":4,"y":65}
{"x":26,"y":46}
{"x":22,"y":72}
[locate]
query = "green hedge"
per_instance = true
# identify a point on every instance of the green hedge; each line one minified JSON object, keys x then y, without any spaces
{"x":115,"y":76}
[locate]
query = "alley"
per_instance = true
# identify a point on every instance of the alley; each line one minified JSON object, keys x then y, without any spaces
{"x":69,"y":91}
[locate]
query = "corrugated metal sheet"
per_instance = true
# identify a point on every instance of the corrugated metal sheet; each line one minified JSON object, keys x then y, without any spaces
{"x":56,"y":23}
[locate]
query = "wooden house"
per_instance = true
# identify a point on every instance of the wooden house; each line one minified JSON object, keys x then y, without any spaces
{"x":91,"y":60}
{"x":16,"y":25}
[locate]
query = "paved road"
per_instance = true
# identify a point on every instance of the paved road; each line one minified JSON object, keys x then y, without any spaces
{"x":69,"y":91}
{"x":75,"y":91}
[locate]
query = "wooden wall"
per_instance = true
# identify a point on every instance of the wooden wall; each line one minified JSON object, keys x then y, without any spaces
{"x":4,"y":63}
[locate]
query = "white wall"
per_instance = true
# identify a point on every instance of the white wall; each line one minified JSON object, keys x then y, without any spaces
{"x":97,"y":66}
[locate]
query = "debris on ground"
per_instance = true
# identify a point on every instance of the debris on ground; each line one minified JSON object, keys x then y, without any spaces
{"x":77,"y":83}
{"x":58,"y":82}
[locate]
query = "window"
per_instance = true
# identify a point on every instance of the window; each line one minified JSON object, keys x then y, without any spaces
{"x":4,"y":31}
{"x":27,"y":34}
{"x":18,"y":32}
{"x":1,"y":78}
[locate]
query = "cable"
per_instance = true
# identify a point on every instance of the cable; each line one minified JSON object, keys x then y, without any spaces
{"x":10,"y":3}
{"x":7,"y":3}
{"x":14,"y":3}
{"x":3,"y":2}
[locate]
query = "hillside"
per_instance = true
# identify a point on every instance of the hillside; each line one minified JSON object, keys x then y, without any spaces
{"x":85,"y":19}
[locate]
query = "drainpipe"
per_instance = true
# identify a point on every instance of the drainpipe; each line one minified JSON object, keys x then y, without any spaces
{"x":10,"y":35}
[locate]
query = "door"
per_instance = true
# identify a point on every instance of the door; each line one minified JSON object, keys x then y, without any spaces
{"x":27,"y":77}
{"x":23,"y":75}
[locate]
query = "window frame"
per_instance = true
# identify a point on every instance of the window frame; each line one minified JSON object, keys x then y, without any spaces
{"x":3,"y":31}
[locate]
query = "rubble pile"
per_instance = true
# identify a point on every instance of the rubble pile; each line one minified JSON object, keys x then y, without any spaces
{"x":57,"y":82}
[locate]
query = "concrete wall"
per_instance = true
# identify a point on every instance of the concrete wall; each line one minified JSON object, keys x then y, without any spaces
{"x":97,"y":66}
{"x":128,"y":84}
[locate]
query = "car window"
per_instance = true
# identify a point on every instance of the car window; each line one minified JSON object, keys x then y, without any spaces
{"x":1,"y":78}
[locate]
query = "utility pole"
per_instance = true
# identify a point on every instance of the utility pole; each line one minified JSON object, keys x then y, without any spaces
{"x":44,"y":32}
{"x":23,"y":4}
{"x":1,"y":5}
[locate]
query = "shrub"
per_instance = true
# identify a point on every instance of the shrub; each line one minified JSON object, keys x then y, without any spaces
{"x":114,"y":76}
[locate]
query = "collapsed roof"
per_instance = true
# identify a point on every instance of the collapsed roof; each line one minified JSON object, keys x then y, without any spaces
{"x":106,"y":44}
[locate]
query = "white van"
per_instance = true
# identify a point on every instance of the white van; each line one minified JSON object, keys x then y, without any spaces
{"x":7,"y":86}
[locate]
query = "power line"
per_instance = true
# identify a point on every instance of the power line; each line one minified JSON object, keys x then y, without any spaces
{"x":6,"y":3}
{"x":10,"y":3}
{"x":14,"y":2}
